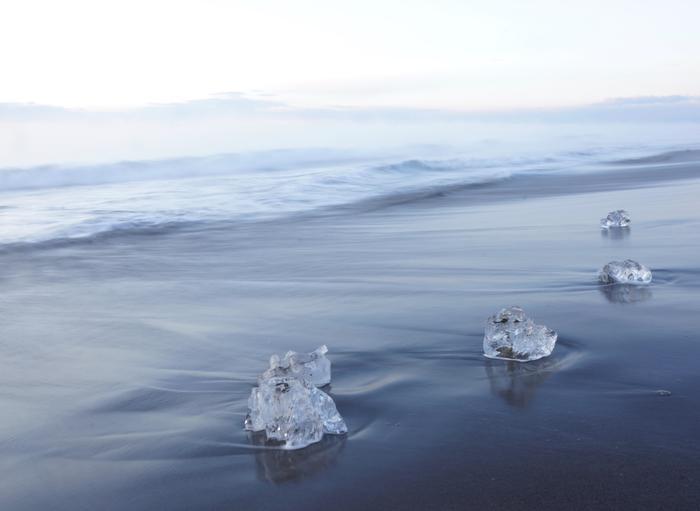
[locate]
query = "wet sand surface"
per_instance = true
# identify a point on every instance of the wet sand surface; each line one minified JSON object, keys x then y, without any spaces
{"x":126,"y":363}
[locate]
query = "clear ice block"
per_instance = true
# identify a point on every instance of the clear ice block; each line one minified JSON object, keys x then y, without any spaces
{"x":511,"y":335}
{"x":324,"y":405}
{"x":619,"y":218}
{"x":283,"y":407}
{"x":287,"y":405}
{"x":313,"y":367}
{"x":625,"y":272}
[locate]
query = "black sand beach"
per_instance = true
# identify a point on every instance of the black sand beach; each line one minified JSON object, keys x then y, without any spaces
{"x":126,"y":362}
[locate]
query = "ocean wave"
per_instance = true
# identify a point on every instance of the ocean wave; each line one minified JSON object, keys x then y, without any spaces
{"x":55,"y":206}
{"x":106,"y":233}
{"x":53,"y":176}
{"x":684,"y":156}
{"x":47,"y":226}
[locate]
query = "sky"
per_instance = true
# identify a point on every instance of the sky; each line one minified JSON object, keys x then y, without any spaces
{"x":432,"y":54}
{"x":102,"y":80}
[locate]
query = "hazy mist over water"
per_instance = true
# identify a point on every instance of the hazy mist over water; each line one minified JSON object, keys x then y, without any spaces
{"x":306,"y":160}
{"x":40,"y":135}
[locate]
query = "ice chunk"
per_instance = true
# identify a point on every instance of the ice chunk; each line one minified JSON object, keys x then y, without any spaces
{"x":511,"y":335}
{"x":287,"y":405}
{"x":625,"y":272}
{"x":283,"y":407}
{"x":324,"y":405}
{"x":619,"y":218}
{"x":292,"y":412}
{"x":313,"y":367}
{"x":254,"y":420}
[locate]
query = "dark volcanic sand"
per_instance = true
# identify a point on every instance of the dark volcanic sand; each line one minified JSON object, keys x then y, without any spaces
{"x":126,"y":363}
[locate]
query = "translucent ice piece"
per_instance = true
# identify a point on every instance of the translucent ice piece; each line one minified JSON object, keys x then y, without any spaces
{"x":313,"y":367}
{"x":511,"y":335}
{"x":254,"y":420}
{"x":625,"y":272}
{"x":619,"y":218}
{"x":283,"y":407}
{"x":324,"y":405}
{"x":291,"y":412}
{"x":287,"y":405}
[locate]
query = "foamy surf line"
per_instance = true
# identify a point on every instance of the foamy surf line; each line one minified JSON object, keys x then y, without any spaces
{"x":169,"y":198}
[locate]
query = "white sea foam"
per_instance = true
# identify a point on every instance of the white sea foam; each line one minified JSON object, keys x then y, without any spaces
{"x":43,"y":204}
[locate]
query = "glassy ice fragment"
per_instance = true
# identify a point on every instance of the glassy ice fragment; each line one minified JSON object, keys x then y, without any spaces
{"x":283,"y":408}
{"x":619,"y":218}
{"x":511,"y":335}
{"x":287,"y":405}
{"x":313,"y":367}
{"x":254,"y":420}
{"x":625,"y":272}
{"x":324,"y":405}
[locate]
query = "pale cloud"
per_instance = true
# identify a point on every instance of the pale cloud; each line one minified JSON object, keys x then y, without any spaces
{"x":240,"y":107}
{"x":446,"y":54}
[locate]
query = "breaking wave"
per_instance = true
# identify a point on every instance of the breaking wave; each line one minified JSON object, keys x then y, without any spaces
{"x":50,"y":205}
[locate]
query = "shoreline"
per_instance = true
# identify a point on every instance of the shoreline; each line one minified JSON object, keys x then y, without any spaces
{"x":127,"y":363}
{"x":622,"y":175}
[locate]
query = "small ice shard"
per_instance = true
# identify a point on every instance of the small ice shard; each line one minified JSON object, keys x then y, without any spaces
{"x":619,"y":218}
{"x":662,"y":392}
{"x":314,"y":367}
{"x":287,"y":405}
{"x":625,"y":272}
{"x":511,"y":335}
{"x":324,"y":405}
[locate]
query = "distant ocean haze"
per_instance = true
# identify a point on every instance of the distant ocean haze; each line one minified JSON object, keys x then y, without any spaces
{"x":61,"y":201}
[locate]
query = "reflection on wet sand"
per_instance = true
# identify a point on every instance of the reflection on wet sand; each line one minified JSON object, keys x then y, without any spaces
{"x":279,"y":465}
{"x":625,"y":293}
{"x":616,"y":233}
{"x":516,"y":382}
